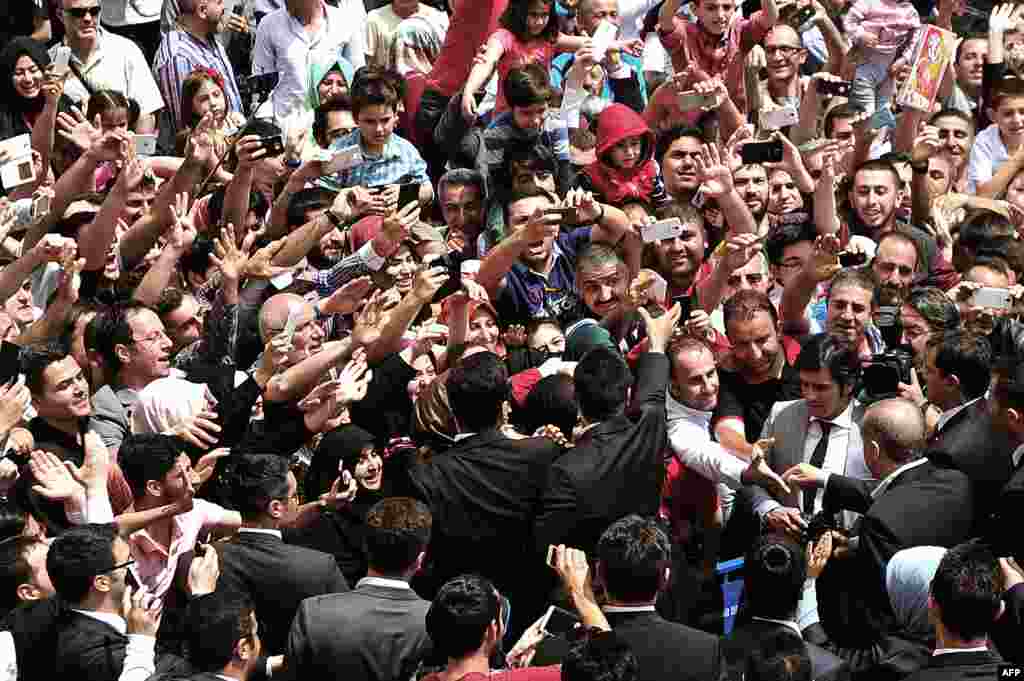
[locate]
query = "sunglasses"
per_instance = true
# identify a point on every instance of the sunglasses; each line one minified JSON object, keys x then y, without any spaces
{"x":80,"y":12}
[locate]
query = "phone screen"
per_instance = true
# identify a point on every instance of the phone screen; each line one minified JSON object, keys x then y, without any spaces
{"x":407,"y":193}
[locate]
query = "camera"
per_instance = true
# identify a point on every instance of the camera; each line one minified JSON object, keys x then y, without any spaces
{"x":451,"y":261}
{"x":883,"y":374}
{"x":818,"y":524}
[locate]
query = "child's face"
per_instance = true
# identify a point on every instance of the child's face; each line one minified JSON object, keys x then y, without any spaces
{"x":626,"y":154}
{"x":376,"y":123}
{"x":529,"y":117}
{"x":114,"y":119}
{"x":715,"y":15}
{"x":537,"y":17}
{"x":1010,"y":118}
{"x":209,"y":98}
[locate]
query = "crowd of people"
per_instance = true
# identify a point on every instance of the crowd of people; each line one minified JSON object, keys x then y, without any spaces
{"x":382,"y":341}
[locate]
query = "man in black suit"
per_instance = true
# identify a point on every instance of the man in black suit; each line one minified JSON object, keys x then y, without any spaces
{"x":915,"y":503}
{"x":377,"y":631}
{"x":957,"y":374}
{"x":88,"y":566}
{"x":965,"y":601}
{"x":775,"y":570}
{"x":257,"y":562}
{"x":634,"y":556}
{"x":483,"y":492}
{"x":617,"y":466}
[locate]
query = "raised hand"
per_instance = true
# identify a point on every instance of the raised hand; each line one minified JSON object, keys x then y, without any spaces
{"x":200,"y":430}
{"x":207,"y":464}
{"x":95,"y":468}
{"x":347,"y":299}
{"x":53,"y":479}
{"x":660,"y":330}
{"x":342,"y":493}
{"x":183,"y":232}
{"x":428,"y":282}
{"x":354,"y":379}
{"x":824,"y":260}
{"x":14,"y":399}
{"x":142,"y":611}
{"x":260,"y":263}
{"x":204,"y":571}
{"x":712,"y":173}
{"x":227,"y":256}
{"x":77,"y":130}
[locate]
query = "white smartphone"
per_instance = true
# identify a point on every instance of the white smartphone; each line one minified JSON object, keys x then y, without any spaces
{"x":17,"y":172}
{"x":145,"y":145}
{"x":294,"y":312}
{"x":343,"y":159}
{"x":40,"y":206}
{"x":661,"y":230}
{"x":62,"y":61}
{"x":993,"y":298}
{"x":776,"y":119}
{"x":603,"y":38}
{"x":282,"y":281}
{"x":18,"y":146}
{"x":659,"y":287}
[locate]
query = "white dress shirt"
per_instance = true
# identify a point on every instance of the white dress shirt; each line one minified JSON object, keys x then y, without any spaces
{"x":950,"y":413}
{"x":284,"y":46}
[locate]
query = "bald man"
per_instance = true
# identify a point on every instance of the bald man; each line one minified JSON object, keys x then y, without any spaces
{"x":915,"y":503}
{"x":308,"y":338}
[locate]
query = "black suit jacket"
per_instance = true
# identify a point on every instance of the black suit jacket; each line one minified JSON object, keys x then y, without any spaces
{"x":90,"y":650}
{"x":975,"y":665}
{"x":616,"y":468}
{"x":276,"y":576}
{"x":923,"y":506}
{"x":825,"y":666}
{"x":969,"y":443}
{"x":483,"y":495}
{"x":667,"y":651}
{"x":372,"y":633}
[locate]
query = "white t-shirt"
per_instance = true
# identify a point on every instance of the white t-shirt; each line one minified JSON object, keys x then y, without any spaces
{"x":382,"y":25}
{"x":987,"y":154}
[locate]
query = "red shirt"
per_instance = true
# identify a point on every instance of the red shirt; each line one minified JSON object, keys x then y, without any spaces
{"x":471,"y":24}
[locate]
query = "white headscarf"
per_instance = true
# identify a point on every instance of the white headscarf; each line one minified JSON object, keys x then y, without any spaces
{"x":165,"y":403}
{"x":908,"y":579}
{"x":418,"y":41}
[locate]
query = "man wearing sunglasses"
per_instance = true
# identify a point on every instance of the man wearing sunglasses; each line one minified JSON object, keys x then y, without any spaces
{"x":105,"y":61}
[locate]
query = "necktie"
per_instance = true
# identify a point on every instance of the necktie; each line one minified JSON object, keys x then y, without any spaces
{"x":817,"y":460}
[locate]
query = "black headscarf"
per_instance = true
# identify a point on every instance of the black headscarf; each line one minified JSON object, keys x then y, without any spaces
{"x":343,"y":445}
{"x":13,"y":105}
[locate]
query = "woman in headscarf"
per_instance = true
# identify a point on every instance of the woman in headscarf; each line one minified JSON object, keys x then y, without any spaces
{"x":908,"y":579}
{"x":23,"y":65}
{"x":417,"y":43}
{"x":330,"y":76}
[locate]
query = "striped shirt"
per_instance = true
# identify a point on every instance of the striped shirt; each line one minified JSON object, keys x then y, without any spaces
{"x":179,"y":54}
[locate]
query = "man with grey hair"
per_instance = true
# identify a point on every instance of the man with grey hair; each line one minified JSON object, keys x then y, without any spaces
{"x":460,"y":192}
{"x":912,"y":503}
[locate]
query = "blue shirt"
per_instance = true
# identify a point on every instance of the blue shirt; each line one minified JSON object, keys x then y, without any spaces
{"x":531,"y":295}
{"x":400,"y":162}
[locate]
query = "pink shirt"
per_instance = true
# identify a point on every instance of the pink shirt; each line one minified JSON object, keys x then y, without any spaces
{"x":154,"y":567}
{"x":718,"y":56}
{"x":518,"y":54}
{"x":475,"y":21}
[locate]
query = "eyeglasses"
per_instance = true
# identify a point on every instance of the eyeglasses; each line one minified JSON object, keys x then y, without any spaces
{"x":784,"y":50}
{"x":80,"y":12}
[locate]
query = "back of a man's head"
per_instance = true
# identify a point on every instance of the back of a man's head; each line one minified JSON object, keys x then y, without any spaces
{"x":968,"y":356}
{"x":602,"y":384}
{"x":477,"y":391}
{"x":780,"y":656}
{"x":898,"y":427}
{"x":634,"y":554}
{"x":460,"y":614}
{"x":776,"y":569}
{"x":967,"y":590}
{"x":216,"y":623}
{"x":77,"y":557}
{"x":397,"y":532}
{"x":258,"y":480}
{"x":600,"y":656}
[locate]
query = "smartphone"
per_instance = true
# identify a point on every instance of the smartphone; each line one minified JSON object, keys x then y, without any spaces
{"x":661,"y":230}
{"x":17,"y":172}
{"x":776,"y":119}
{"x":570,"y":215}
{"x":852,"y":259}
{"x":692,"y":100}
{"x":994,"y":298}
{"x":273,"y":144}
{"x":145,"y":145}
{"x":294,"y":313}
{"x":407,"y":193}
{"x":62,"y":61}
{"x":834,"y":88}
{"x":40,"y":206}
{"x":451,"y":261}
{"x":685,"y":308}
{"x":10,"y":364}
{"x":604,"y":36}
{"x":559,"y":622}
{"x":761,"y":152}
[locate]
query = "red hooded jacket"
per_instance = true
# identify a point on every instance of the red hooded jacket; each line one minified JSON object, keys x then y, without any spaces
{"x":620,"y":185}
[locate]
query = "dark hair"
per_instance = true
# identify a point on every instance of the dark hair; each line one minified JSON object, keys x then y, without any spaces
{"x":906,"y":239}
{"x":307,"y":200}
{"x":667,"y":138}
{"x":634,"y":553}
{"x":397,"y":531}
{"x":744,"y":304}
{"x":967,"y":356}
{"x":170,"y":300}
{"x":193,"y":82}
{"x":477,"y":391}
{"x":216,"y":623}
{"x":77,"y":556}
{"x":34,"y":361}
{"x":822,"y":351}
{"x":863,"y":278}
{"x":993,"y":263}
{"x":552,"y":401}
{"x":373,"y":86}
{"x":102,"y":101}
{"x":935,"y":307}
{"x":78,"y":310}
{"x":956,"y":113}
{"x":779,"y":656}
{"x":597,"y":254}
{"x":968,"y":587}
{"x":14,"y":567}
{"x":783,"y":236}
{"x":18,"y":47}
{"x":600,"y":656}
{"x":258,"y":479}
{"x":148,"y":456}
{"x":877,"y":165}
{"x":528,"y":85}
{"x":112,"y":329}
{"x":843,"y":111}
{"x":602,"y":383}
{"x":776,"y":568}
{"x":342,"y":103}
{"x":515,"y":17}
{"x":215,"y":211}
{"x":459,"y":616}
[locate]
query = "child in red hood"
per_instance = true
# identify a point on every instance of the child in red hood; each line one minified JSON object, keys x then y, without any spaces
{"x":625,"y":171}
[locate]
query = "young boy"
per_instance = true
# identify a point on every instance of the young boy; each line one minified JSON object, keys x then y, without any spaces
{"x":624,"y":171}
{"x":998,"y":151}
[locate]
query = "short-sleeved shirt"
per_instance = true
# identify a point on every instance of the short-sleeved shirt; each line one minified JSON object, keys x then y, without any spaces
{"x":179,"y":54}
{"x":400,"y":162}
{"x":531,"y":295}
{"x":154,"y":566}
{"x":752,"y":402}
{"x":988,"y":153}
{"x":382,"y":26}
{"x":117,"y":64}
{"x":718,"y":57}
{"x":518,"y":54}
